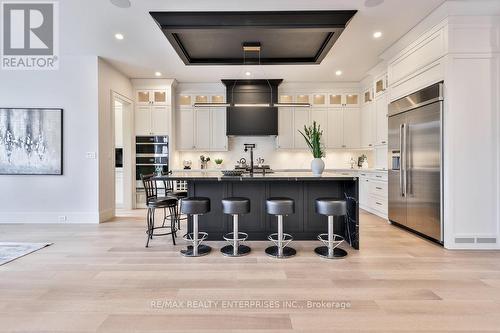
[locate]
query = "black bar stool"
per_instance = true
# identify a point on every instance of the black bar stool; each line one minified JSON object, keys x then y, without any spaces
{"x":280,"y":207}
{"x":153,"y":202}
{"x":331,"y":207}
{"x":195,"y":206}
{"x":235,"y":206}
{"x":171,"y":192}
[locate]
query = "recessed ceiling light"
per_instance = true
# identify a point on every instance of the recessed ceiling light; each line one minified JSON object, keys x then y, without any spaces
{"x":121,"y":3}
{"x":338,"y":73}
{"x":373,"y":3}
{"x":157,"y":73}
{"x":248,"y":73}
{"x":119,"y":36}
{"x":377,"y":34}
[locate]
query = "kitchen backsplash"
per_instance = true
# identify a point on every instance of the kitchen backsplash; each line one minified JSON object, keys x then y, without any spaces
{"x":277,"y":159}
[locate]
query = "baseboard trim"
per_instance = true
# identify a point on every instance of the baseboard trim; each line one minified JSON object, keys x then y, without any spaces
{"x":49,"y":217}
{"x":106,"y":214}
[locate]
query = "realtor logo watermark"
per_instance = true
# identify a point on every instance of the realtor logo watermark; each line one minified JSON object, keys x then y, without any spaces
{"x":30,"y":35}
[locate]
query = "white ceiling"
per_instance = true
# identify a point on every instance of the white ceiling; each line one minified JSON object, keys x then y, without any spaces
{"x":89,"y":26}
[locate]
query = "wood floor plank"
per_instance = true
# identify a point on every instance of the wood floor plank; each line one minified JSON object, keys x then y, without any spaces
{"x":101,"y":278}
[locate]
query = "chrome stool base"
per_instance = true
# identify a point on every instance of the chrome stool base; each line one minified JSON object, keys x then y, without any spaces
{"x":243,"y":250}
{"x":338,"y":253}
{"x":273,"y":251}
{"x":203,"y":250}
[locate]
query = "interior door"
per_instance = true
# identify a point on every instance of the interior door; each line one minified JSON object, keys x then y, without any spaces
{"x":424,"y":170}
{"x":397,"y":201}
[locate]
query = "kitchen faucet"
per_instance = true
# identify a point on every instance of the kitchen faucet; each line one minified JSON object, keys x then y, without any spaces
{"x":250,"y":146}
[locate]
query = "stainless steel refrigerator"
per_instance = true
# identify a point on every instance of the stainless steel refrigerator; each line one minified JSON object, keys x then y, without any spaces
{"x":415,"y":157}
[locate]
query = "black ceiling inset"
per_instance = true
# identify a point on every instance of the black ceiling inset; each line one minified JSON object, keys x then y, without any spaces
{"x":216,"y":38}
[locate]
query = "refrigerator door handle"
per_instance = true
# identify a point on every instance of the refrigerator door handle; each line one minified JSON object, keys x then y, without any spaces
{"x":401,"y":157}
{"x":404,"y":156}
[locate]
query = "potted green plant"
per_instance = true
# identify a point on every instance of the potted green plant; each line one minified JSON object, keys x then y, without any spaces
{"x":218,"y":162}
{"x":312,"y":135}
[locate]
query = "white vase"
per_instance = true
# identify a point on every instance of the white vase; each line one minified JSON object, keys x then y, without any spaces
{"x":317,"y":166}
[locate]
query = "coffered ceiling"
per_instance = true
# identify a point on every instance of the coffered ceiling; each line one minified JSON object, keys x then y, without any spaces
{"x":89,"y":27}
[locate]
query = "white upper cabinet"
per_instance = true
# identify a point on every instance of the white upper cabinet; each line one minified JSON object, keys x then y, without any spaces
{"x":320,"y":116}
{"x":285,"y":127}
{"x":335,"y":133}
{"x":204,"y":128}
{"x":319,"y":100}
{"x":142,"y":120}
{"x":152,"y":112}
{"x":343,"y":99}
{"x":202,"y":125}
{"x":185,"y":101}
{"x":352,"y":133}
{"x":301,"y":118}
{"x":381,"y":109}
{"x":218,"y":137}
{"x":368,"y":126}
{"x":185,"y":129}
{"x":158,"y":97}
{"x":380,"y":85}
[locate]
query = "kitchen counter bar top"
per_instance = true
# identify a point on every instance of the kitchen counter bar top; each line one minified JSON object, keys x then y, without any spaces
{"x":302,"y":187}
{"x":287,"y":176}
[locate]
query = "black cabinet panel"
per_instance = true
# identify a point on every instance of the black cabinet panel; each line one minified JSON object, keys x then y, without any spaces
{"x":305,"y":224}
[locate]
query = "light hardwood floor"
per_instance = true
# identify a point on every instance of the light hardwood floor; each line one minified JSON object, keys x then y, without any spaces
{"x":101,"y":278}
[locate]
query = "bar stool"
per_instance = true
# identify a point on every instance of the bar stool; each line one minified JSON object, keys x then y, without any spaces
{"x":330,"y":207}
{"x":171,"y":192}
{"x":280,"y":207}
{"x":153,"y":202}
{"x":195,"y":206}
{"x":235,"y":206}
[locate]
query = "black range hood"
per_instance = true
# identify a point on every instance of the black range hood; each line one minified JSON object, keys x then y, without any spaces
{"x":252,"y":111}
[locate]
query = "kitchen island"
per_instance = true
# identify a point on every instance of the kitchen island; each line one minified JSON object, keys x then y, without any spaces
{"x":303,"y":187}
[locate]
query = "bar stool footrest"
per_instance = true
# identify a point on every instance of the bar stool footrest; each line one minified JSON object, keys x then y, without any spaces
{"x":242,"y":236}
{"x":287,"y":238}
{"x":337,"y":240}
{"x":201,"y":237}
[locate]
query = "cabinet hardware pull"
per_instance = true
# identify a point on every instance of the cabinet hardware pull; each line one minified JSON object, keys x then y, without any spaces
{"x":378,"y":176}
{"x":378,"y":188}
{"x":378,"y":203}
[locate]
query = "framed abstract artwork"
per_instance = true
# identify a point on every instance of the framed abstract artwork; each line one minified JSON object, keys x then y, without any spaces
{"x":31,"y":141}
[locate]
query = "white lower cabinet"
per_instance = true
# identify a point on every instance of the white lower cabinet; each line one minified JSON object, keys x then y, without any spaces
{"x":202,"y":129}
{"x":373,"y":193}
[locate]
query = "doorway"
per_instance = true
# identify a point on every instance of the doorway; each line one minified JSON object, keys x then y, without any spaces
{"x":122,"y":114}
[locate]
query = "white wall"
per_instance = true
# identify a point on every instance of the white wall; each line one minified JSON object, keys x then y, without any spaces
{"x":33,"y":199}
{"x":110,"y":80}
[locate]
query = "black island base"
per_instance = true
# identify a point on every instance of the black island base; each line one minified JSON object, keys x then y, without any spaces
{"x":304,"y":188}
